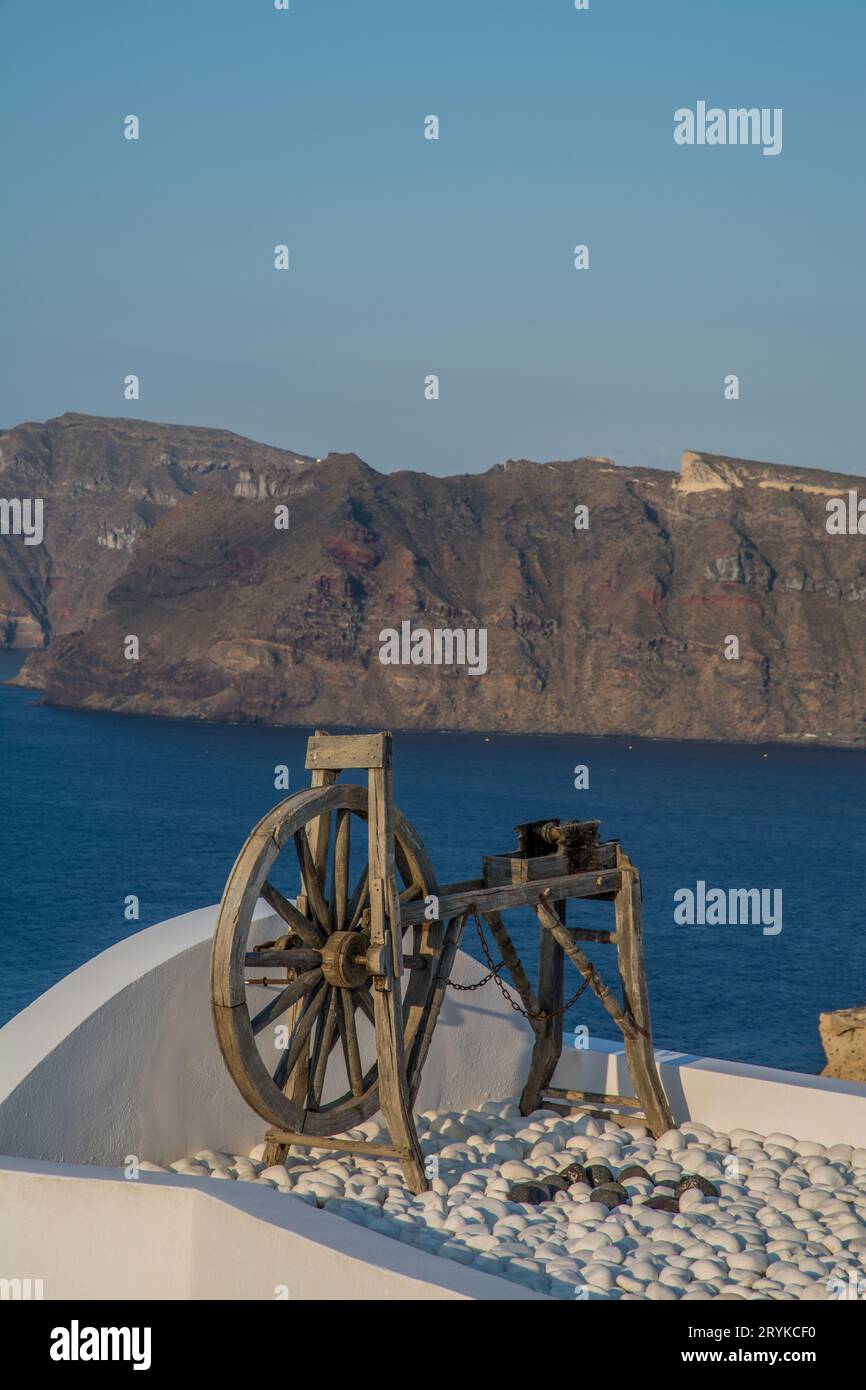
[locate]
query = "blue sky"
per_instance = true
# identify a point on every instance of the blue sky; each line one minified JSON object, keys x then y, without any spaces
{"x":453,"y":257}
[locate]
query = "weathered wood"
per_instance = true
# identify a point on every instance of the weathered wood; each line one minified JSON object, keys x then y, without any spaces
{"x":326,"y":1033}
{"x":298,"y":959}
{"x":359,"y":899}
{"x":299,"y":1039}
{"x":309,"y":1141}
{"x":387,"y":1005}
{"x":466,"y":885}
{"x":547,"y":1048}
{"x":568,"y":1107}
{"x":630,"y":955}
{"x":251,"y":1072}
{"x":554,"y":926}
{"x":403,"y":1014}
{"x":514,"y":965}
{"x":312,"y":887}
{"x":276,"y":1007}
{"x":337,"y":752}
{"x":248,"y":1070}
{"x":228,"y":970}
{"x":517,"y":895}
{"x":631,"y":1102}
{"x":309,"y":932}
{"x":444,"y":960}
{"x":340,"y":880}
{"x":349,"y":1039}
{"x":317,"y":835}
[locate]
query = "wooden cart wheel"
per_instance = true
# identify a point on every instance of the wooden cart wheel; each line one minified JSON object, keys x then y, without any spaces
{"x":285,"y":1074}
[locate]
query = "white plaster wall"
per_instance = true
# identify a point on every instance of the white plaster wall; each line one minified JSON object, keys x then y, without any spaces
{"x":120,"y":1057}
{"x":89,"y":1234}
{"x":728,"y":1095}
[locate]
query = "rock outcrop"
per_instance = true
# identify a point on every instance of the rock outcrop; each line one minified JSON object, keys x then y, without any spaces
{"x":169,"y":534}
{"x":843,"y":1037}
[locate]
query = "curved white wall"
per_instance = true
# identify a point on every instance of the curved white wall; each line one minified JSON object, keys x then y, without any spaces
{"x":120,"y":1057}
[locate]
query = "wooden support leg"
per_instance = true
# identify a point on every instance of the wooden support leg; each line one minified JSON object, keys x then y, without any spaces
{"x":387,"y":994}
{"x":630,"y":956}
{"x":442,"y":960}
{"x":548,"y":1034}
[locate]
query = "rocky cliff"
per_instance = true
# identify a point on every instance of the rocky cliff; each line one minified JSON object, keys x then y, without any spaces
{"x":168,"y":534}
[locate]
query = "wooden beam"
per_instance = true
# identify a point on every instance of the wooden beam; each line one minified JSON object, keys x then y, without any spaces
{"x":518,"y":895}
{"x":567,"y":1107}
{"x":339,"y":751}
{"x":284,"y":1138}
{"x":554,"y":927}
{"x":595,"y":1096}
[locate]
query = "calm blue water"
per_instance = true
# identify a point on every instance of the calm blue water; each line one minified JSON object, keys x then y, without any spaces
{"x":94,"y":807}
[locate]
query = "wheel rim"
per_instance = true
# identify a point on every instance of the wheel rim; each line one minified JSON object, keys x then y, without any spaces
{"x":320,"y":1041}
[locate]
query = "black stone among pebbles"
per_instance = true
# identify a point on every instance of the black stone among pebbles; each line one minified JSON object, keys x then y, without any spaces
{"x":611,"y":1194}
{"x":634,"y":1171}
{"x":599,"y":1175}
{"x":557,"y":1182}
{"x":532,"y":1192}
{"x":694,"y":1180}
{"x":662,"y":1204}
{"x":575,"y":1172}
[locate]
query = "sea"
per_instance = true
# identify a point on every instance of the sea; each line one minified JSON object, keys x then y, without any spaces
{"x":97,"y":809}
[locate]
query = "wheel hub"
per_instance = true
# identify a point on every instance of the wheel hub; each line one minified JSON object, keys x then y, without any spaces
{"x":344,"y":959}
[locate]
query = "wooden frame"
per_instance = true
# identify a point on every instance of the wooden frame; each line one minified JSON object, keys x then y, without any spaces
{"x":343,"y":951}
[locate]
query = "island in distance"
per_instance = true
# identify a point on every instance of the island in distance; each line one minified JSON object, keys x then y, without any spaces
{"x":619,"y":625}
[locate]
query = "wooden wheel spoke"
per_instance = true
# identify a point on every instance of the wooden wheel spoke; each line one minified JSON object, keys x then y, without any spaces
{"x":311,"y":882}
{"x":340,"y":870}
{"x":358,"y":900}
{"x":349,"y":1040}
{"x":285,"y":999}
{"x":301,"y":1033}
{"x":326,"y":1028}
{"x":308,"y":931}
{"x":365,"y":1004}
{"x":404,"y":868}
{"x":414,"y":890}
{"x":319,"y":839}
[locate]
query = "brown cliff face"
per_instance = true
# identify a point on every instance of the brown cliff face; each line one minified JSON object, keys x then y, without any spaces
{"x":617,"y":629}
{"x":105,"y":483}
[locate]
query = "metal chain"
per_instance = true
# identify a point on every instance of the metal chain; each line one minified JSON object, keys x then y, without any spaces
{"x":493,"y":974}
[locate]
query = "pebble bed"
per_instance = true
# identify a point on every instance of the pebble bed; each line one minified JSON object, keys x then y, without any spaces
{"x":710,"y":1216}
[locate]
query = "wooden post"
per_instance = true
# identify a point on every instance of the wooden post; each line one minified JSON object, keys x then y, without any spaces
{"x":319,"y":835}
{"x":394,"y":1097}
{"x":548,"y":1029}
{"x":638,"y":1047}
